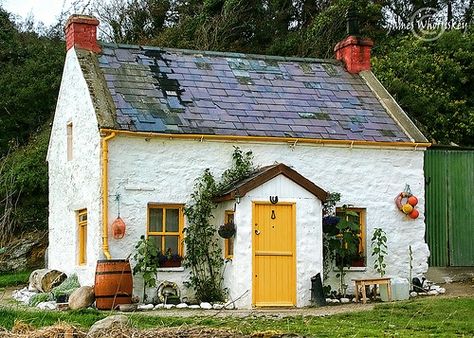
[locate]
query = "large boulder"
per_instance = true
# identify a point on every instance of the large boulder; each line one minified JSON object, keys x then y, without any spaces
{"x":43,"y":280}
{"x":24,"y":253}
{"x":81,"y":298}
{"x":107,"y":324}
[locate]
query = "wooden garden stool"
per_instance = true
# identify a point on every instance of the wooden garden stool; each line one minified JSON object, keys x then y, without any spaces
{"x":363,"y":282}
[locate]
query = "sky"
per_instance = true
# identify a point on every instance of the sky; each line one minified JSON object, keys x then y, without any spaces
{"x":43,"y":10}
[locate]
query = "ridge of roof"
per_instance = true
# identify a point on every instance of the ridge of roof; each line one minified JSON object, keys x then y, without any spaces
{"x":221,"y":54}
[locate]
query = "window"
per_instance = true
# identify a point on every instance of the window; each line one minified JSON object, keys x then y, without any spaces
{"x":229,"y":242}
{"x":82,"y":236}
{"x":69,"y":141}
{"x":360,"y":218}
{"x":165,"y":228}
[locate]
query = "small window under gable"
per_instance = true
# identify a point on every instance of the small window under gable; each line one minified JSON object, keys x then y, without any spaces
{"x":69,"y":141}
{"x":82,"y":236}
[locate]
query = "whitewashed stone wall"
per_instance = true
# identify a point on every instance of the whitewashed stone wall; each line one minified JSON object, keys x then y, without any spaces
{"x":144,"y":170}
{"x":75,"y":184}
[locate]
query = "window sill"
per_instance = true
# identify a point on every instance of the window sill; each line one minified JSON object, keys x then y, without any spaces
{"x":353,"y":269}
{"x":177,"y":269}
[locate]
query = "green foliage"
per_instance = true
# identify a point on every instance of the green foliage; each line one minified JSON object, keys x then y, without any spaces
{"x":447,"y":317}
{"x":14,"y":278}
{"x":146,"y":262}
{"x":379,"y":250}
{"x":203,"y":252}
{"x":432,"y":82}
{"x":344,"y":245}
{"x":67,"y":287}
{"x":24,"y":187}
{"x":39,"y":298}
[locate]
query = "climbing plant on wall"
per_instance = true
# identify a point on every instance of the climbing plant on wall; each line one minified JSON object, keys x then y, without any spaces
{"x":203,"y":252}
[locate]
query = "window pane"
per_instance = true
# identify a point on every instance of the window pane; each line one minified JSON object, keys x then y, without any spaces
{"x":229,"y":217}
{"x":230,"y":247}
{"x":156,"y":240}
{"x":171,"y":244}
{"x":156,"y":220}
{"x":172,"y":220}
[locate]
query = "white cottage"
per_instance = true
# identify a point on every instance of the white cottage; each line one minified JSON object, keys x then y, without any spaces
{"x":144,"y":122}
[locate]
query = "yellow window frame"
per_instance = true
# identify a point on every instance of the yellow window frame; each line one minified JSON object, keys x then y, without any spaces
{"x":228,"y":242}
{"x":164,"y":233}
{"x":362,"y":230}
{"x":82,"y":236}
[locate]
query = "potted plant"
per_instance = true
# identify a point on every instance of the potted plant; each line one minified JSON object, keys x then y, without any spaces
{"x":226,"y":230}
{"x":169,"y":259}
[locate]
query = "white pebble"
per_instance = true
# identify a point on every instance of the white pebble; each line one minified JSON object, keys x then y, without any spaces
{"x":51,"y":305}
{"x":345,"y":300}
{"x":442,"y":290}
{"x":432,"y":292}
{"x":328,"y":300}
{"x":169,"y":306}
{"x":217,"y":306}
{"x":413,"y":294}
{"x":336,"y":301}
{"x":194,"y":307}
{"x":182,"y":306}
{"x":205,"y":306}
{"x":159,"y":306}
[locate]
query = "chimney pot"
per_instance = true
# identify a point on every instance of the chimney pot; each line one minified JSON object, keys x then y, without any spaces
{"x":81,"y":32}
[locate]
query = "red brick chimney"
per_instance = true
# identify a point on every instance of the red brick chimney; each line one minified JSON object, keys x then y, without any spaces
{"x":81,"y":32}
{"x":355,"y":53}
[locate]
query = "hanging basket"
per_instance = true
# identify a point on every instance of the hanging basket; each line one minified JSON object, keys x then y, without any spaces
{"x":226,"y":230}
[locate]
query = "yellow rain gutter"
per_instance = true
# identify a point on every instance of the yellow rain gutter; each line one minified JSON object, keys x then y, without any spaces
{"x":289,"y":140}
{"x":105,"y":194}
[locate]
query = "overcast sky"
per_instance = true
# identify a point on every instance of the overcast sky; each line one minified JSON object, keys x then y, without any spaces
{"x":43,"y":10}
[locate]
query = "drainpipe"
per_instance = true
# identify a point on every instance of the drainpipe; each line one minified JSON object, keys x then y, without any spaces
{"x":105,"y":195}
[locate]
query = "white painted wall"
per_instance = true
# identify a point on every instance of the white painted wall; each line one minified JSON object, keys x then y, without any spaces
{"x":157,"y":170}
{"x":74,"y":184}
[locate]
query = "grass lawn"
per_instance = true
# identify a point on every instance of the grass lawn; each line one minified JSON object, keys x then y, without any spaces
{"x":14,"y":278}
{"x":421,"y":317}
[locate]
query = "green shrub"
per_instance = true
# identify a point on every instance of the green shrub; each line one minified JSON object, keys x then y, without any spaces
{"x":67,"y":287}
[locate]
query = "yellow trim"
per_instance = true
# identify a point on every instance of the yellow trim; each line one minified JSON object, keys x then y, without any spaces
{"x":82,"y":237}
{"x":228,"y":255}
{"x":290,"y":140}
{"x":164,"y":233}
{"x":105,"y":194}
{"x":293,"y":248}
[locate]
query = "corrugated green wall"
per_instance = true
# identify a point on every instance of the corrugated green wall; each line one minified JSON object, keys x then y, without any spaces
{"x":449,"y":213}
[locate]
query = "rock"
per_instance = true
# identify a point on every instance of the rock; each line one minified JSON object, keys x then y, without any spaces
{"x":336,"y":301}
{"x":51,"y":305}
{"x":116,"y":321}
{"x":328,"y":300}
{"x":159,"y":306}
{"x":218,"y":306}
{"x":128,"y":307}
{"x":442,"y":290}
{"x":145,"y":307}
{"x":354,"y":300}
{"x":433,"y":293}
{"x":182,"y":306}
{"x":81,"y":298}
{"x":205,"y":306}
{"x":413,"y":294}
{"x":44,"y":280}
{"x":194,"y":307}
{"x":169,"y":306}
{"x":25,"y":253}
{"x":345,"y":300}
{"x":229,"y":305}
{"x":422,"y":294}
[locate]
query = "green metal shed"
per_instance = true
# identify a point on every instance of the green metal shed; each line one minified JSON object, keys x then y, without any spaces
{"x":449,"y":178}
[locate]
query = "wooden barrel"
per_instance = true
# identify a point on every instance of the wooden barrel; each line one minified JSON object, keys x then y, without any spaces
{"x":113,"y":283}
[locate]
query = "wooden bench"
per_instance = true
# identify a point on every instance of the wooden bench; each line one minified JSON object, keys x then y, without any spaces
{"x":363,"y":282}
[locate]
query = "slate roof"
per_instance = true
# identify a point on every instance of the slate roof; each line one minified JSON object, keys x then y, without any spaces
{"x":193,"y":92}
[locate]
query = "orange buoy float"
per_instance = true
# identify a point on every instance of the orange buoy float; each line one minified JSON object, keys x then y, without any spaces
{"x":406,"y":202}
{"x":412,"y":200}
{"x":414,"y":214}
{"x":118,"y":228}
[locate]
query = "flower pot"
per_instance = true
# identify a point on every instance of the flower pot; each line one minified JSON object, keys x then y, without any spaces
{"x":170,"y":264}
{"x":226,"y":230}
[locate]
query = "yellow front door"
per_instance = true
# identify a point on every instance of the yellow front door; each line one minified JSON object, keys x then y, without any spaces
{"x":274,"y":253}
